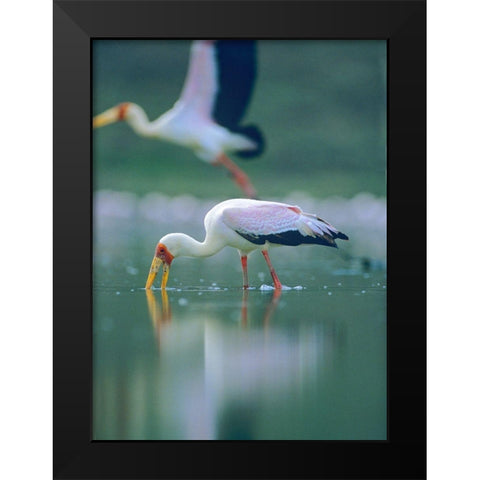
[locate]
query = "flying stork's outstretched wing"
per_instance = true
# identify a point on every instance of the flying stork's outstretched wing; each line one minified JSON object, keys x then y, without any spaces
{"x":236,"y":72}
{"x":219,"y":84}
{"x":201,"y":84}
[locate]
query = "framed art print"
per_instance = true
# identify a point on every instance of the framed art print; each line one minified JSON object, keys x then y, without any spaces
{"x":234,"y":143}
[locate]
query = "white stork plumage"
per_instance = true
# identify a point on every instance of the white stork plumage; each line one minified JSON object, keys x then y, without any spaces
{"x":246,"y":225}
{"x":207,"y":116}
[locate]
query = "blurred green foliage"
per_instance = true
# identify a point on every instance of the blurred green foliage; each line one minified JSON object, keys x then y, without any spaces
{"x":321,"y":105}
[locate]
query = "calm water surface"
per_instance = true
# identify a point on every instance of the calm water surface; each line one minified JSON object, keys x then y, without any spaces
{"x":206,"y":360}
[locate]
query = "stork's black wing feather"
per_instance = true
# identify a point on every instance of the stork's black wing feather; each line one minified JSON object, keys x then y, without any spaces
{"x":291,"y":237}
{"x":237,"y":69}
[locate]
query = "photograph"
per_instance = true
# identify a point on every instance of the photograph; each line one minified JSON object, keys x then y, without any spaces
{"x":239,"y":239}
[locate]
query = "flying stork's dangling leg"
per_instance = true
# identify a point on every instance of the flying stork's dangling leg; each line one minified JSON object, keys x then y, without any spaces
{"x":239,"y":176}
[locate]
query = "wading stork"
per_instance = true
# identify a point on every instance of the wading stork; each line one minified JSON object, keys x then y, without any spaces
{"x":207,"y":116}
{"x":246,"y":225}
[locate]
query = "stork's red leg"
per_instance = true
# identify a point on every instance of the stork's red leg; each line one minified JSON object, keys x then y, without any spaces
{"x":243,"y":258}
{"x":239,"y":176}
{"x":276,"y":281}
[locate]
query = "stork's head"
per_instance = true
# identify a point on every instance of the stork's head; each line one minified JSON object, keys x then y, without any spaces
{"x":114,"y":114}
{"x":163,"y":258}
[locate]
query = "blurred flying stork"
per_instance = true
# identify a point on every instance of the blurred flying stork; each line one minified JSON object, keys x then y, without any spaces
{"x":207,"y":116}
{"x":246,"y":225}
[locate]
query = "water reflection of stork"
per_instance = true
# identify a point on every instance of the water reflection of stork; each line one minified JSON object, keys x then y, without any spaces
{"x":206,"y":118}
{"x":219,"y":398}
{"x":160,"y":315}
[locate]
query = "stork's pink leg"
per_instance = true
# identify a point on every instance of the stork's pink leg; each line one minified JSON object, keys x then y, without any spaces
{"x":276,"y":281}
{"x":239,"y":176}
{"x":243,"y":258}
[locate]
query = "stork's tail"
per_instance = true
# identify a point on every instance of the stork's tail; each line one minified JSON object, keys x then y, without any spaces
{"x":322,"y":232}
{"x":253,"y":133}
{"x":341,"y":236}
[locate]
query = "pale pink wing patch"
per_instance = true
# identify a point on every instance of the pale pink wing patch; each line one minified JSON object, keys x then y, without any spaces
{"x":262,"y":219}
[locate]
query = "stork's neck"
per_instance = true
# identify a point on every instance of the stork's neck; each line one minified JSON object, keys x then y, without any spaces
{"x":138,"y":120}
{"x":181,"y":245}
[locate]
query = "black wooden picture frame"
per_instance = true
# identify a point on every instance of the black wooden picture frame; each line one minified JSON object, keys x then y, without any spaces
{"x":403,"y":25}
